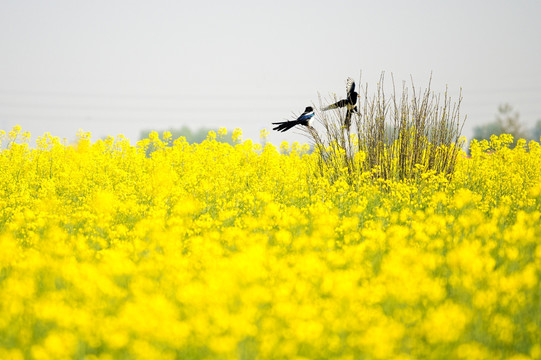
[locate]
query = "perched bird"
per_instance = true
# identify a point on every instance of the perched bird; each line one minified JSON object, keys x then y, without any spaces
{"x":350,"y":102}
{"x":305,"y":119}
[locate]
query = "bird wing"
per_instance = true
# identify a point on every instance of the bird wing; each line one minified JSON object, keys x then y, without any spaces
{"x":350,"y":86}
{"x":305,"y":116}
{"x":338,"y":104}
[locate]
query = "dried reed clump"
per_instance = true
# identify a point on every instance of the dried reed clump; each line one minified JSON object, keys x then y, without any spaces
{"x":392,"y":137}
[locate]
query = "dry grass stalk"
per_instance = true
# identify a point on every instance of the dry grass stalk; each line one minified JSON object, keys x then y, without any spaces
{"x":396,"y":137}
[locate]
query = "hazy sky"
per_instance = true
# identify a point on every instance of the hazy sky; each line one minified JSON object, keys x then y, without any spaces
{"x":116,"y":67}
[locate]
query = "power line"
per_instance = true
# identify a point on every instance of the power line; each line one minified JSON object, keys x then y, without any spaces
{"x":150,"y":96}
{"x":153,"y":108}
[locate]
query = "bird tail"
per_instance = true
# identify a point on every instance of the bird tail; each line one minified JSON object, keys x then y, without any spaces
{"x":284,"y":125}
{"x":347,"y":120}
{"x":349,"y":113}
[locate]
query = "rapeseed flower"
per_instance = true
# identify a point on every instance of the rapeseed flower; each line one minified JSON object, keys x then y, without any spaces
{"x":211,"y":250}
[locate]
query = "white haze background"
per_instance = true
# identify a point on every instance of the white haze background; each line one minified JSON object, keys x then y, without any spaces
{"x":118,"y":66}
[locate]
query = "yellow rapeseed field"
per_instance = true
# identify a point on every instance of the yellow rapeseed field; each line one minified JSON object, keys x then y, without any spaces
{"x":110,"y":250}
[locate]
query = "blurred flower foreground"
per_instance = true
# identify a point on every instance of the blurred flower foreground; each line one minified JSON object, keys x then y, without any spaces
{"x":219,"y":251}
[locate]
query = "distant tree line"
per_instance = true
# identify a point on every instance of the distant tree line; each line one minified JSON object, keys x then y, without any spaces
{"x":192,"y":136}
{"x":508,"y":122}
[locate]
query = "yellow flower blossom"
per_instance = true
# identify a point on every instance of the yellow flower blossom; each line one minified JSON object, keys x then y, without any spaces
{"x":202,"y":251}
{"x":445,"y":323}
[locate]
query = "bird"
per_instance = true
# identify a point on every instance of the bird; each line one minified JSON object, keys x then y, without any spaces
{"x":305,"y":119}
{"x":350,"y":102}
